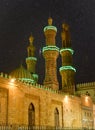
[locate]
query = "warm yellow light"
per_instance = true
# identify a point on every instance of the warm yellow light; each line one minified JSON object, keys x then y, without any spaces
{"x":66,"y":99}
{"x":12,"y":83}
{"x":86,"y":98}
{"x":12,"y":80}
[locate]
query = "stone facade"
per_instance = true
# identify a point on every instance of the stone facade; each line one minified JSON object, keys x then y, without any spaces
{"x":15,"y":98}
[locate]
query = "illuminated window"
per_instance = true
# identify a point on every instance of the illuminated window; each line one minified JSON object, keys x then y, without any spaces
{"x":31,"y":115}
{"x":56,"y":115}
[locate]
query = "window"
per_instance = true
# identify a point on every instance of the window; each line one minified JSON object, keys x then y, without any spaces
{"x":56,"y":115}
{"x":31,"y":115}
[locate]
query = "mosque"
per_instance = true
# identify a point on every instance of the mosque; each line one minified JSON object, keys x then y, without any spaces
{"x":25,"y":103}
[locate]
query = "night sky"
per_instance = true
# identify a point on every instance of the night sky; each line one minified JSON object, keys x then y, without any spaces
{"x":20,"y":18}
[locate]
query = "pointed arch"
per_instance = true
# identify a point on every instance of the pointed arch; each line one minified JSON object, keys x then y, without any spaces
{"x":31,"y":115}
{"x":56,"y":117}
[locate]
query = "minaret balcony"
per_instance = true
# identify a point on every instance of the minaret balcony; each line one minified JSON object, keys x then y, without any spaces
{"x":31,"y":58}
{"x":50,"y":48}
{"x":50,"y":28}
{"x":67,"y":49}
{"x":50,"y":52}
{"x":67,"y":68}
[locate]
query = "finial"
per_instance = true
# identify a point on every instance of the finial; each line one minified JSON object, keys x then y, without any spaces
{"x":31,"y":38}
{"x":65,"y":26}
{"x":49,"y":21}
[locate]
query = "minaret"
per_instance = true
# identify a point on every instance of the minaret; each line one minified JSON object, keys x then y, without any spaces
{"x":31,"y":59}
{"x":67,"y":70}
{"x":50,"y":53}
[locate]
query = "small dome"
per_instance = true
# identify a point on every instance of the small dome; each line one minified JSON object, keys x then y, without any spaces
{"x":21,"y":72}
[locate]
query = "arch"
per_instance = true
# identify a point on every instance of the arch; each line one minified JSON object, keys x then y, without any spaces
{"x":31,"y":115}
{"x":56,"y":117}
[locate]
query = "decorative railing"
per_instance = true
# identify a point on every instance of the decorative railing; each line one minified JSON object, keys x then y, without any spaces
{"x":23,"y":127}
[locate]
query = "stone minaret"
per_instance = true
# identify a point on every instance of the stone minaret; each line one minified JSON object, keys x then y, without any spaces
{"x":31,"y":59}
{"x":50,"y":53}
{"x":67,"y":70}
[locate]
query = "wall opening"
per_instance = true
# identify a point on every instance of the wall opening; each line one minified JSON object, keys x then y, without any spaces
{"x":56,"y":116}
{"x":31,"y":115}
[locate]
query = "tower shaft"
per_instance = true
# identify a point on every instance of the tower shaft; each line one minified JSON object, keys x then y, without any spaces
{"x":31,"y":59}
{"x":67,"y":70}
{"x":50,"y":53}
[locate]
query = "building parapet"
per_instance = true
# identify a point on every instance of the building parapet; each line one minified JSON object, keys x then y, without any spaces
{"x":30,"y":84}
{"x":85,"y":85}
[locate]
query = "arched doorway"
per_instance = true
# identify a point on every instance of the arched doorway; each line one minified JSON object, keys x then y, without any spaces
{"x":56,"y":116}
{"x":31,"y":115}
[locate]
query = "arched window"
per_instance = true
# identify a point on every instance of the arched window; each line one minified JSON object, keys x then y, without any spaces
{"x":31,"y":115}
{"x":56,"y":116}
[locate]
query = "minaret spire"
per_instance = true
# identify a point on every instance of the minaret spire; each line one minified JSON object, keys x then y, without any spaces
{"x":67,"y":70}
{"x":50,"y":21}
{"x":50,"y":53}
{"x":31,"y":48}
{"x":31,"y":59}
{"x":65,"y":35}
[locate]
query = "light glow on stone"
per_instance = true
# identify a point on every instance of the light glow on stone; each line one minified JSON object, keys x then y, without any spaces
{"x":67,"y":68}
{"x":50,"y":48}
{"x":12,"y":80}
{"x":66,"y":99}
{"x":67,"y":49}
{"x":50,"y":28}
{"x":86,"y":98}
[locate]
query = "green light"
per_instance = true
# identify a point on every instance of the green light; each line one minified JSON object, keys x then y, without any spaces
{"x":31,"y":58}
{"x":35,"y":76}
{"x":50,"y":28}
{"x":67,"y":68}
{"x":67,"y":49}
{"x":50,"y":48}
{"x":27,"y":80}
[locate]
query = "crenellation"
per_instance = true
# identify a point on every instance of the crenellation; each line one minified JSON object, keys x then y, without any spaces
{"x":86,"y":84}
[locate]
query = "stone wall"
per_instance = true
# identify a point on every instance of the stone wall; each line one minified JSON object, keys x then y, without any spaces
{"x":3,"y":105}
{"x":15,"y":98}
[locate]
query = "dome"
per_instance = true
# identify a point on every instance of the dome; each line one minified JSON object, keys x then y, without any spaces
{"x":20,"y":73}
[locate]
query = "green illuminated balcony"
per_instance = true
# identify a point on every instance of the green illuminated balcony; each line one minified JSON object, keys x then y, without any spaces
{"x":50,"y":48}
{"x":67,"y":49}
{"x":67,"y":68}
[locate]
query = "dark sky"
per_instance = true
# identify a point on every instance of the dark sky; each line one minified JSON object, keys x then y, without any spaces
{"x":18,"y":18}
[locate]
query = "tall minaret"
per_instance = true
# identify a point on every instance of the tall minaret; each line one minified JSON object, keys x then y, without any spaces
{"x":31,"y":59}
{"x":67,"y":70}
{"x":50,"y":53}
